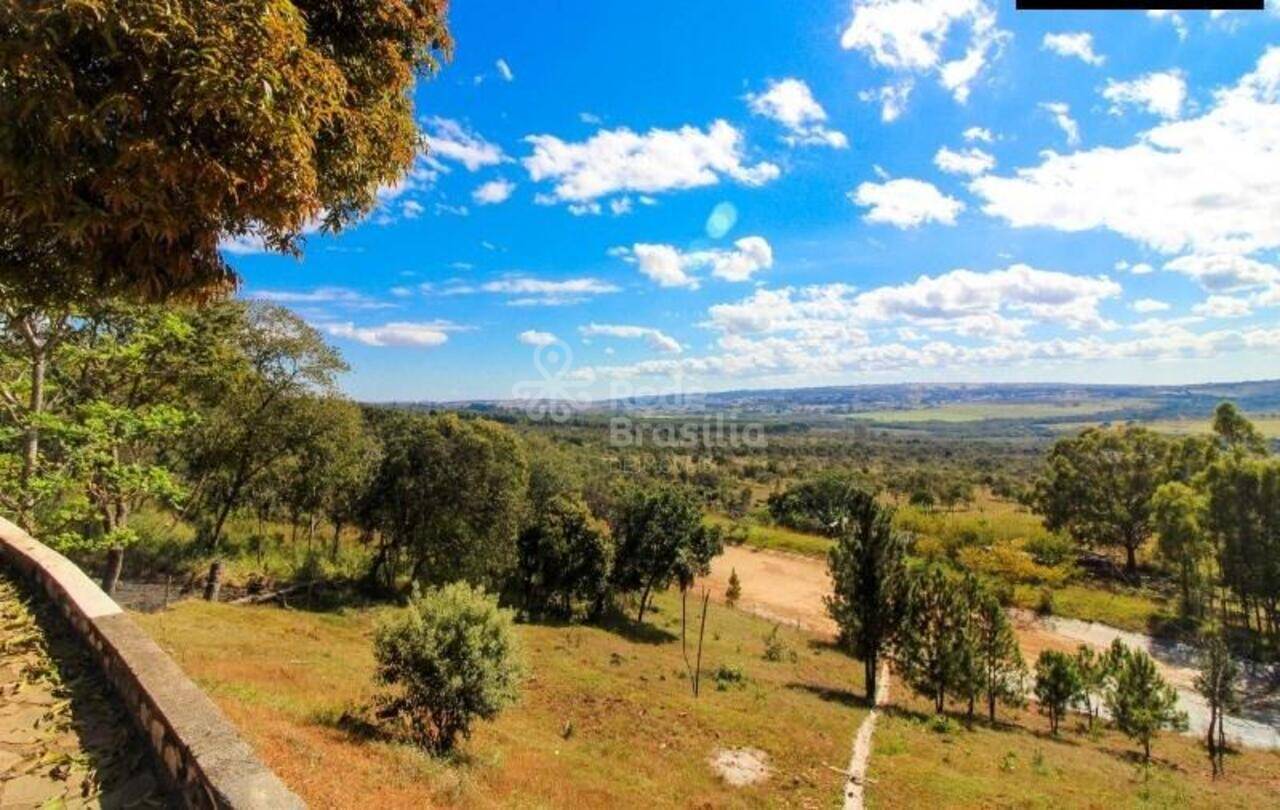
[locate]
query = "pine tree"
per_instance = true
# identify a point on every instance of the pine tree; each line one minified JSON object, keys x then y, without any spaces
{"x":869,"y":583}
{"x":933,"y":653}
{"x":1057,"y":684}
{"x":734,"y":592}
{"x":1000,"y":668}
{"x":1218,"y":684}
{"x":1140,"y":702}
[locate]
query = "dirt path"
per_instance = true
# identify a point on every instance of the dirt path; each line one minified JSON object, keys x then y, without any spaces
{"x":63,"y":743}
{"x":856,"y":780}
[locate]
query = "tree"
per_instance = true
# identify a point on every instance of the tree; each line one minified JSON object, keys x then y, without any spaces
{"x":661,"y":539}
{"x":1242,"y":517}
{"x":452,"y":657}
{"x":818,"y":504}
{"x":1001,"y":671}
{"x":933,"y":651}
{"x":1176,"y":516}
{"x":1098,"y":487}
{"x":734,"y":592}
{"x":273,"y":363}
{"x":1057,"y":684}
{"x":1218,"y":683}
{"x":135,"y":137}
{"x":869,"y":583}
{"x":1236,"y":433}
{"x":1140,"y":702}
{"x":565,"y":555}
{"x":448,"y":495}
{"x":1096,"y":670}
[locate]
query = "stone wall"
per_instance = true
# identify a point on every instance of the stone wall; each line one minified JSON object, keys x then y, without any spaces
{"x":210,"y":765}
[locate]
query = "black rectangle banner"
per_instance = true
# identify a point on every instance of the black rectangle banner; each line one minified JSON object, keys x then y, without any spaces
{"x":1138,"y":5}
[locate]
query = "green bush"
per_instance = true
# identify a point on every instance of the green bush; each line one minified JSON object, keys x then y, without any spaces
{"x":1051,"y":549}
{"x":450,"y":658}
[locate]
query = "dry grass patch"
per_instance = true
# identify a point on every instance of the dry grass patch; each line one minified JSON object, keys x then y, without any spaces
{"x":607,"y":718}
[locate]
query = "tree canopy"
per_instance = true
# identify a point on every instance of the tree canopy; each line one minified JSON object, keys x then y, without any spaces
{"x":136,"y":136}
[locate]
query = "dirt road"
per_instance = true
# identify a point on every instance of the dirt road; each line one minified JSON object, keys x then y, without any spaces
{"x":789,"y":588}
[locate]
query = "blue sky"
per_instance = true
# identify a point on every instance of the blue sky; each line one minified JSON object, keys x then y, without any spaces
{"x":663,"y":196}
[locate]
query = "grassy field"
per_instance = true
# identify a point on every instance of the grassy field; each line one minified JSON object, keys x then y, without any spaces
{"x":920,"y":763}
{"x":607,"y":718}
{"x":776,"y":538}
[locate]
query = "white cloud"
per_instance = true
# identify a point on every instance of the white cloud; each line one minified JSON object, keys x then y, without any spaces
{"x":670,"y":267}
{"x":620,"y":160}
{"x":532,"y":337}
{"x":906,"y":203}
{"x":1061,"y":113}
{"x":450,"y":140}
{"x":338,"y":296}
{"x":1078,"y":45}
{"x":893,"y":99}
{"x":1173,"y":18}
{"x":1161,"y":94}
{"x":791,"y":103}
{"x":981,"y":134}
{"x":493,"y":192}
{"x":653,"y":338}
{"x":1223,"y":306}
{"x":532,"y":291}
{"x":1226,"y":272}
{"x":504,"y":70}
{"x":398,"y":333}
{"x":909,"y":37}
{"x":1146,"y":306}
{"x":968,"y":161}
{"x":1203,"y":185}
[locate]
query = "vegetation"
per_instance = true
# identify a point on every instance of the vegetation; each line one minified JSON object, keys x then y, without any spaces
{"x":451,"y":659}
{"x":135,"y":137}
{"x":1218,"y":684}
{"x":1139,"y":700}
{"x":869,"y":583}
{"x":1057,"y":685}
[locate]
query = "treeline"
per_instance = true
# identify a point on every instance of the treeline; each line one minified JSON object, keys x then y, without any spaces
{"x":231,"y":410}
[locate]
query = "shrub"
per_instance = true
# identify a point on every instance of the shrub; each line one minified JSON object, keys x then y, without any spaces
{"x":450,"y":658}
{"x":727,"y":676}
{"x":775,"y":649}
{"x":1050,"y":549}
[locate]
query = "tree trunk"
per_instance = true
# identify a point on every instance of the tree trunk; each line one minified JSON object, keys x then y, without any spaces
{"x":869,"y":667}
{"x":213,"y":584}
{"x":111,"y":574}
{"x":644,"y":600}
{"x":1131,"y":560}
{"x":991,"y":706}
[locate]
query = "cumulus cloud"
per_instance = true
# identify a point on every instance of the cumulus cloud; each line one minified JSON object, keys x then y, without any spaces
{"x":906,"y":203}
{"x":1161,"y":94}
{"x":909,"y":37}
{"x":422,"y":334}
{"x":656,"y":340}
{"x":979,"y":134}
{"x":893,"y":98}
{"x":966,"y":161}
{"x":620,"y":160}
{"x":1148,"y":305}
{"x":670,"y":267}
{"x":505,"y":71}
{"x":532,"y":337}
{"x":1061,"y":112}
{"x":450,"y":140}
{"x":957,"y":319}
{"x":493,"y":192}
{"x":1223,"y":306}
{"x":791,"y":103}
{"x":1204,"y":185}
{"x":1226,"y":272}
{"x":1078,"y":45}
